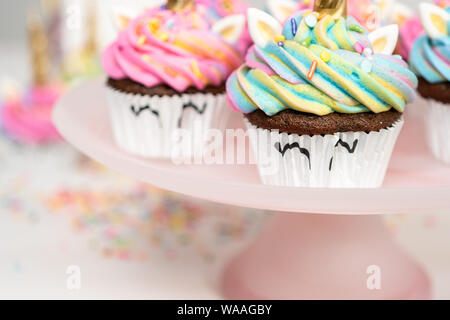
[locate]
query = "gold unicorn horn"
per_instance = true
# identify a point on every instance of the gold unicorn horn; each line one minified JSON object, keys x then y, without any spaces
{"x":38,"y":42}
{"x":334,"y":8}
{"x":179,"y":5}
{"x":91,"y":30}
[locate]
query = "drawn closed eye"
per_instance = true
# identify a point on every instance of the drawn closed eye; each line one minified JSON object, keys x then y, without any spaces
{"x":137,"y":111}
{"x":347,"y":147}
{"x":191,"y":105}
{"x":291,"y":146}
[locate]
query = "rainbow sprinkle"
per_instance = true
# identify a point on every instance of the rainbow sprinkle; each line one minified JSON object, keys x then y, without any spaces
{"x":359,"y":47}
{"x":306,"y":42}
{"x":294,"y":27}
{"x":356,"y":28}
{"x":311,"y":20}
{"x":312,"y":70}
{"x":141,"y":40}
{"x":366,"y":66}
{"x":325,"y":56}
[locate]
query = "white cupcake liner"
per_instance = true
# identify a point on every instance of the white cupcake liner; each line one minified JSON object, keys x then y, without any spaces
{"x":165,"y":127}
{"x":342,"y":160}
{"x":438,"y":130}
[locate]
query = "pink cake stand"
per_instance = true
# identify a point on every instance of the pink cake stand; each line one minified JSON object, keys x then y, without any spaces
{"x":320,"y":244}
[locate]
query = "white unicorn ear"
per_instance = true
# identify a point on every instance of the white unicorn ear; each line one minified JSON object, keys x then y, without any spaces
{"x":282,"y":9}
{"x":121,"y":16}
{"x":262,"y":26}
{"x":230,"y":28}
{"x":434,"y":20}
{"x":384,"y":40}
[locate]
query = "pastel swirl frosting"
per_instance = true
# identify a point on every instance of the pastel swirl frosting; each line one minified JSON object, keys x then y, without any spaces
{"x":320,"y":70}
{"x":176,"y":49}
{"x":430,"y":57}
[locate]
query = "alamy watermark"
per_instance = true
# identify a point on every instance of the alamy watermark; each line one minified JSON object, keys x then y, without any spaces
{"x":374,"y":280}
{"x":73,"y":281}
{"x":229,"y":147}
{"x":73,"y":17}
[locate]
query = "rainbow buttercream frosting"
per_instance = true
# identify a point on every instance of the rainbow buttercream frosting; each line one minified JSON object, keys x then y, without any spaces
{"x":430,"y":54}
{"x":320,"y":65}
{"x":179,"y":49}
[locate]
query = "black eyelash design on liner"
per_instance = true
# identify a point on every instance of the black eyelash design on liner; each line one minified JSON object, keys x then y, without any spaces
{"x":291,"y":146}
{"x":191,"y":105}
{"x":137,"y":112}
{"x":347,"y":147}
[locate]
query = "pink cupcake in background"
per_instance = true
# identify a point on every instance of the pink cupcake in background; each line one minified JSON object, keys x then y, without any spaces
{"x":410,"y":30}
{"x":28,"y":119}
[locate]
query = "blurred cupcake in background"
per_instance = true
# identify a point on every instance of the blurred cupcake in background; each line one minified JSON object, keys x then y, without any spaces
{"x":322,"y":97}
{"x":410,"y":30}
{"x":26,"y":117}
{"x":410,"y":26}
{"x":430,"y":59}
{"x":82,"y":62}
{"x":167,"y":72}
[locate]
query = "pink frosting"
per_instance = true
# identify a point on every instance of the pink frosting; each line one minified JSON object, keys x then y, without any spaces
{"x":177,"y":49}
{"x":409,"y":32}
{"x":30,"y":120}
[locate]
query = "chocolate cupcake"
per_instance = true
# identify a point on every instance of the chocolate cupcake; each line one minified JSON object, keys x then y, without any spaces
{"x":430,"y":59}
{"x":167,"y":72}
{"x":323,"y":99}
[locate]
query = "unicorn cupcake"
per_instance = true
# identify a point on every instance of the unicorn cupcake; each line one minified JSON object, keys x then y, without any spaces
{"x":430,"y":59}
{"x":322,"y":97}
{"x":167,"y":72}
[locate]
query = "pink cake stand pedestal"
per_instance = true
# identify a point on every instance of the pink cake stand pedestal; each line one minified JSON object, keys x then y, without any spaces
{"x":309,"y":256}
{"x":320,"y":243}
